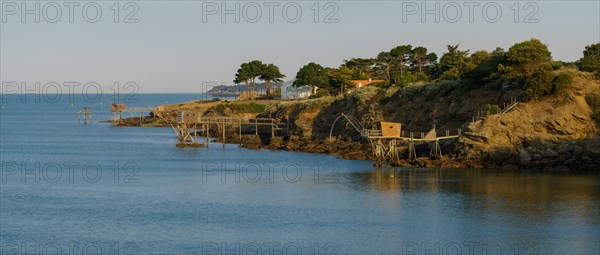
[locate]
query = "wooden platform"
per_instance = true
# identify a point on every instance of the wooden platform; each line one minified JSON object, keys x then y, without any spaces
{"x":117,"y":111}
{"x":430,"y":136}
{"x":188,"y":125}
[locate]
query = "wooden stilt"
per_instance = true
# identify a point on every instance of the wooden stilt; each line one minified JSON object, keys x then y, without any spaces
{"x":190,"y":122}
{"x":272,"y":129}
{"x":86,"y":114}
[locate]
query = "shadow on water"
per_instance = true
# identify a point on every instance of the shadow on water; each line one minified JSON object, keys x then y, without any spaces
{"x":524,"y":192}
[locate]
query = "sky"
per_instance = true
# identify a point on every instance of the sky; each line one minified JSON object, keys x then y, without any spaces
{"x":189,"y":46}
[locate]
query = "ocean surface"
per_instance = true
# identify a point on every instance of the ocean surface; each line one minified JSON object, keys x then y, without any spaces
{"x":69,"y":188}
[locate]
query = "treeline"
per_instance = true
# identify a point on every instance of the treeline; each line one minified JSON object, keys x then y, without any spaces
{"x":253,"y":70}
{"x":527,"y":65}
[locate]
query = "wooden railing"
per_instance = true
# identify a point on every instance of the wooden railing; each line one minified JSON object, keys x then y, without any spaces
{"x":424,"y":136}
{"x":231,"y":120}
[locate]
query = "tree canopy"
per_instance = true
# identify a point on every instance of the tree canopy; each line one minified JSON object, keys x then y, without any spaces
{"x":525,"y":59}
{"x":452,"y":62}
{"x":249,"y":72}
{"x":313,"y":75}
{"x":526,"y":65}
{"x":590,"y":61}
{"x":270,"y":73}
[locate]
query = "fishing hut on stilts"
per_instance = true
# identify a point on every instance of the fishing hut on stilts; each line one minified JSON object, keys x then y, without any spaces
{"x":386,"y":140}
{"x":86,"y":114}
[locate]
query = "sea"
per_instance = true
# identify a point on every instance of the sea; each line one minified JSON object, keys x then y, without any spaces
{"x":74,"y":188}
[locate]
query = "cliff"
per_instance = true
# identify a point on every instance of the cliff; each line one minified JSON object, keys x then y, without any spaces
{"x":556,"y":133}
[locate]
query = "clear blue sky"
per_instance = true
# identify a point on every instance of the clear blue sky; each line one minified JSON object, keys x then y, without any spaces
{"x":171,"y":48}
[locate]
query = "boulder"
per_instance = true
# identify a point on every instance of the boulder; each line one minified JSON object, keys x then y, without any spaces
{"x":549,"y":153}
{"x":525,"y":157}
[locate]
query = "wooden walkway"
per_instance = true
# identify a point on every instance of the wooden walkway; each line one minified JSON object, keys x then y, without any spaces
{"x":117,"y":111}
{"x":430,"y":136}
{"x":188,"y":124}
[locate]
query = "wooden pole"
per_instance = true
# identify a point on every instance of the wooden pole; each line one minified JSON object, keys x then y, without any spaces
{"x":437,"y":143}
{"x":195,"y":133}
{"x":207,"y":133}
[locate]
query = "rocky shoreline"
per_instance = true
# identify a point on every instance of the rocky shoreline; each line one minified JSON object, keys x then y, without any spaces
{"x":569,"y":156}
{"x":555,"y":134}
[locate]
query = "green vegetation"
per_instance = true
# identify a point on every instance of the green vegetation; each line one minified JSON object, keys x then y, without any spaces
{"x":491,"y":109}
{"x":594,"y":103}
{"x":244,"y":107}
{"x":539,"y":85}
{"x":364,"y":96}
{"x":275,"y":94}
{"x":590,"y":62}
{"x":212,"y":100}
{"x":561,"y":82}
{"x":526,"y":60}
{"x":270,"y":73}
{"x":452,"y":63}
{"x":526,"y":67}
{"x":339,"y":78}
{"x":313,"y":75}
{"x":249,"y":72}
{"x":320,"y":93}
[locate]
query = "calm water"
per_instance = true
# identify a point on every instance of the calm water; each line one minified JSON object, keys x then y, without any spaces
{"x":95,"y":188}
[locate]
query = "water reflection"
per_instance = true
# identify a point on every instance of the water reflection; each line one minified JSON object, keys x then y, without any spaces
{"x":512,"y":191}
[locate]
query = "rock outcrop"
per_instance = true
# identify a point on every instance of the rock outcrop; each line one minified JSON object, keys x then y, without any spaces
{"x":556,"y":133}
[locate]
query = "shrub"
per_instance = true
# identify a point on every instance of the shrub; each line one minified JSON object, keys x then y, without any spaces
{"x":556,"y":65}
{"x":431,"y":96}
{"x":539,"y":85}
{"x":422,"y":77}
{"x":382,"y":84}
{"x":594,"y":103}
{"x":317,"y":104}
{"x":320,"y":93}
{"x":411,"y":91}
{"x":410,"y":78}
{"x":451,"y":74}
{"x":256,"y":107}
{"x":591,"y":59}
{"x":364,"y":95}
{"x":391,"y":91}
{"x":250,"y":107}
{"x":274,"y":94}
{"x":561,"y":82}
{"x":545,"y":82}
{"x":211,"y":100}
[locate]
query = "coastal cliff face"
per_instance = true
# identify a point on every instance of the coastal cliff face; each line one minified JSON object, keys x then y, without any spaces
{"x":557,"y":133}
